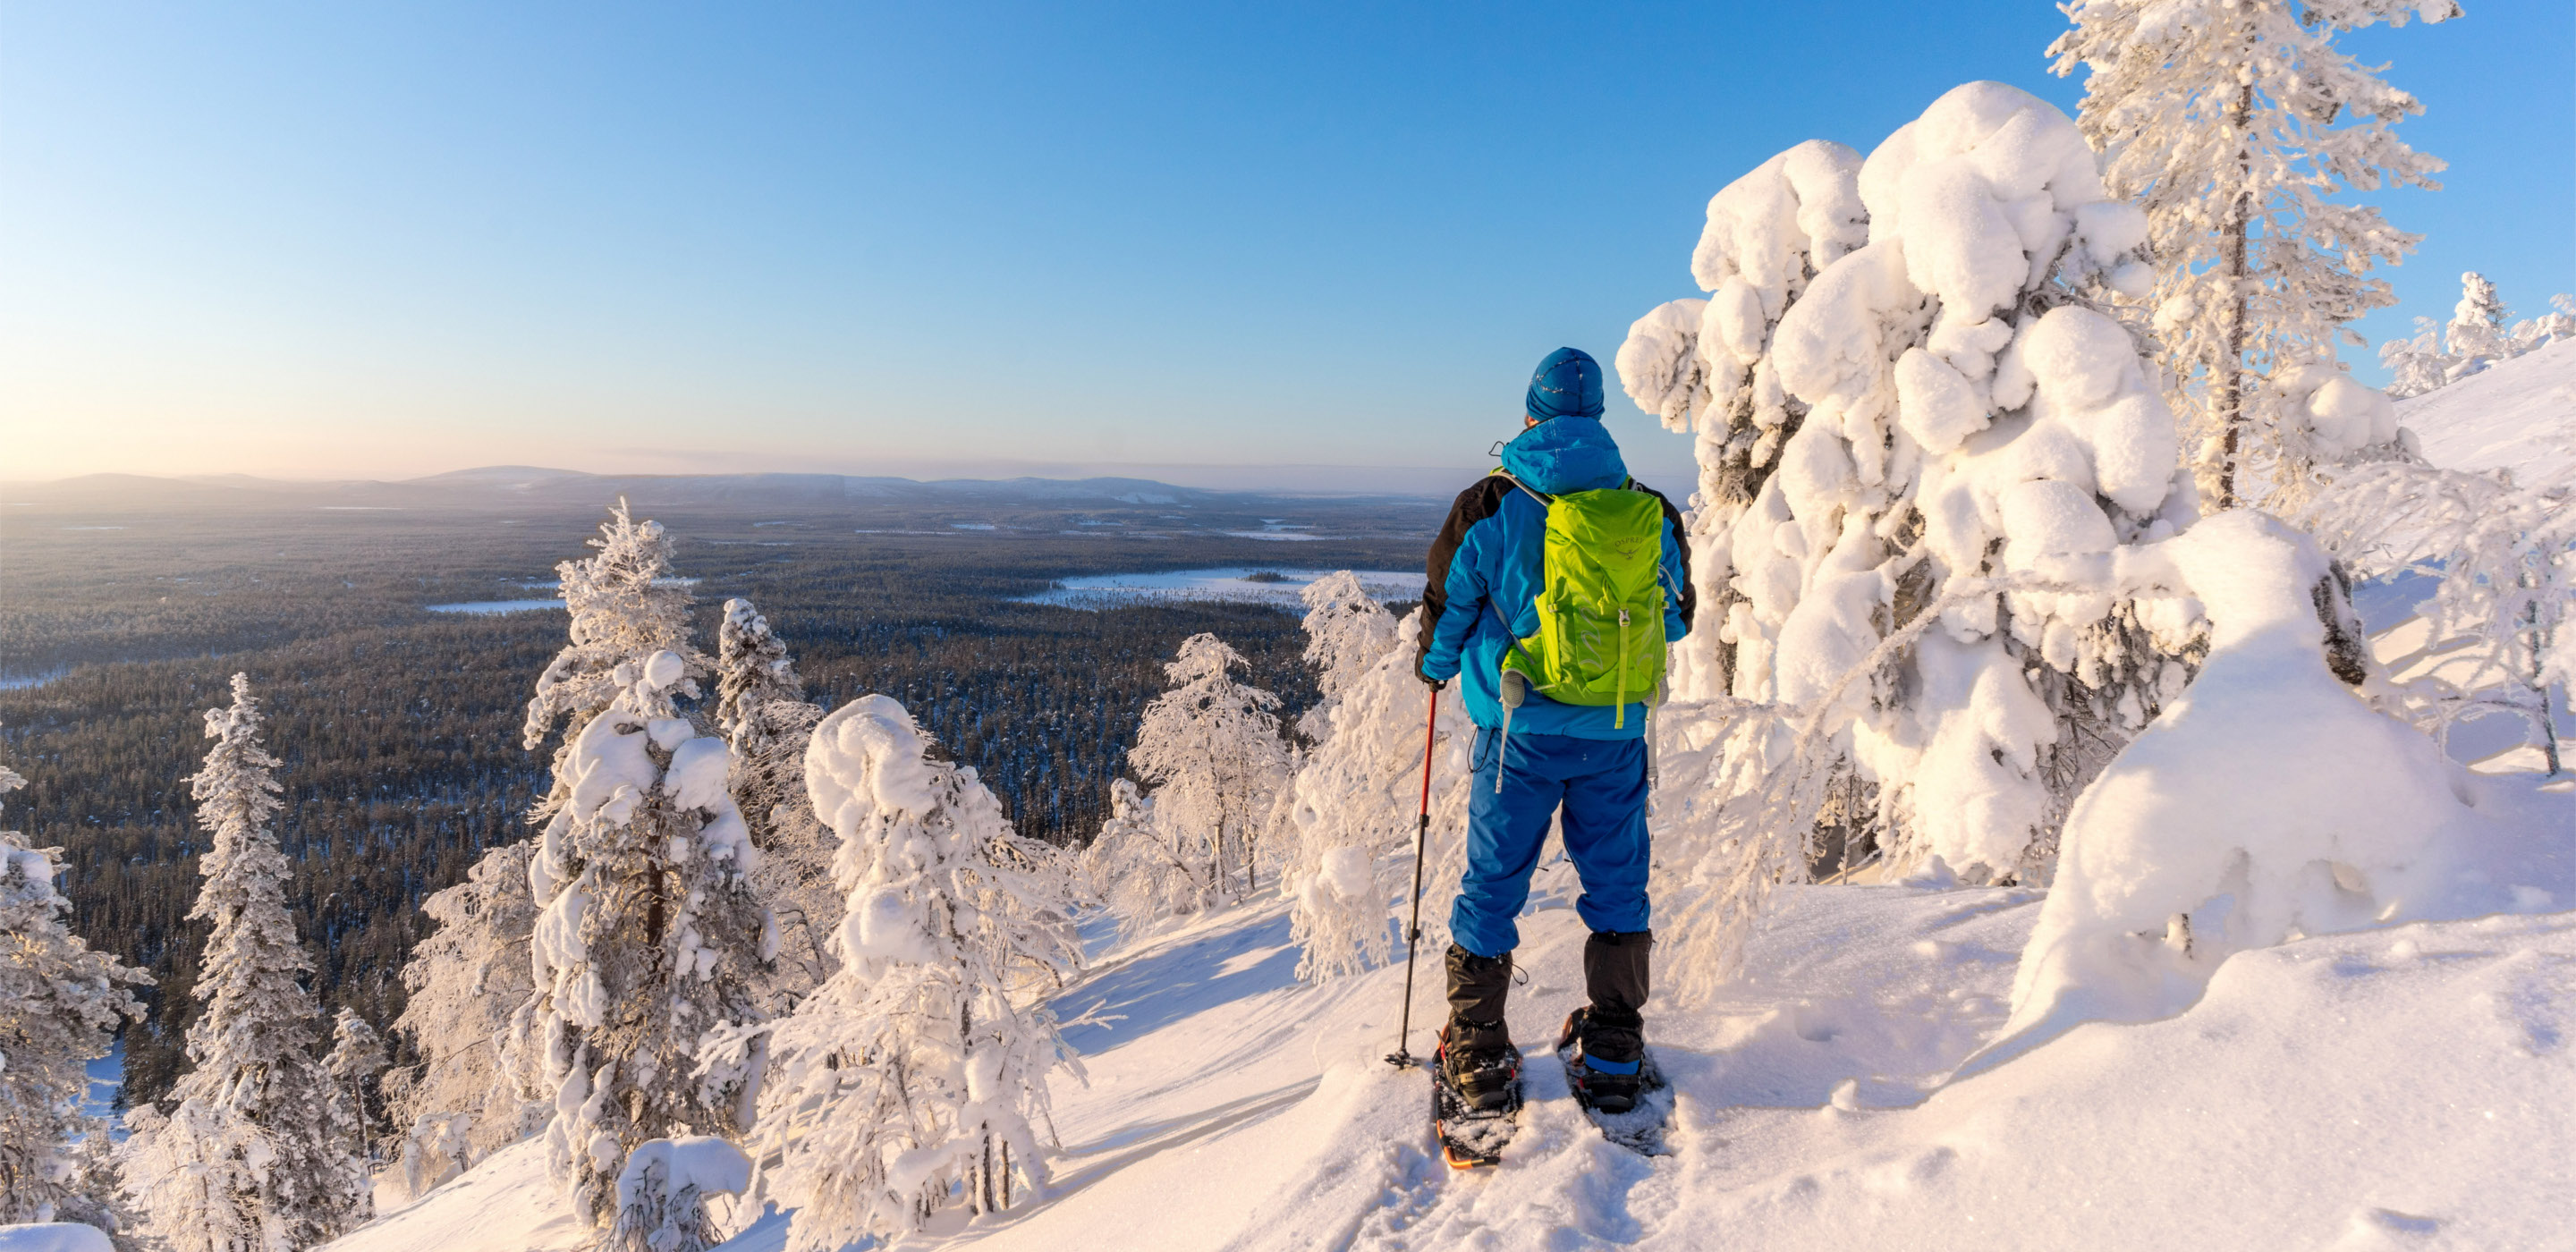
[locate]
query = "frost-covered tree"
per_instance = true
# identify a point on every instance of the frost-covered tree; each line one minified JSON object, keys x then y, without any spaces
{"x":355,"y":1064}
{"x":1706,"y":366}
{"x":468,"y":1090}
{"x":60,"y":1006}
{"x":648,"y":933}
{"x":1356,"y":800}
{"x":762,"y":712}
{"x":2502,"y":560}
{"x":1210,"y":748}
{"x":1970,"y":411}
{"x":2232,"y":123}
{"x":2476,"y":337}
{"x":246,"y":1161}
{"x":1347,"y":630}
{"x":2416,"y":364}
{"x":911,"y":1081}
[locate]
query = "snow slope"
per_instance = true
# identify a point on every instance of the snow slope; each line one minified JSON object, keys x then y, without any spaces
{"x":2518,"y":414}
{"x":2408,"y":1087}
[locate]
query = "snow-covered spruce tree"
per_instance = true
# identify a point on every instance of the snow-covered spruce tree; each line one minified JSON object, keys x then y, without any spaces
{"x":1970,"y":412}
{"x":2502,"y":559}
{"x":2415,"y":365}
{"x":1347,"y":630}
{"x":1211,"y":750}
{"x":1705,"y":366}
{"x":60,"y":1005}
{"x":648,"y":933}
{"x":1357,"y":798}
{"x":467,"y":1090}
{"x":355,"y":1064}
{"x":910,"y":1080}
{"x":762,"y":712}
{"x":2231,"y":122}
{"x":246,"y":1162}
{"x":2476,"y":337}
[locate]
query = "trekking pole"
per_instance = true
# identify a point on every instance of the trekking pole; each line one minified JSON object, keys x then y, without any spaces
{"x":1401,"y":1058}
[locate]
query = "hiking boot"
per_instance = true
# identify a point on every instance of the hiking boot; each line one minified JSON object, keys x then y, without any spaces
{"x":1608,"y":1059}
{"x":1478,"y":1061}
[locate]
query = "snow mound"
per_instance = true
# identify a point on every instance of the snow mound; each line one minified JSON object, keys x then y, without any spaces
{"x":503,"y":1204}
{"x":2518,"y":415}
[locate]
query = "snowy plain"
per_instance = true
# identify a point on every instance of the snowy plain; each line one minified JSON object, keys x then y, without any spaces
{"x":2518,"y":415}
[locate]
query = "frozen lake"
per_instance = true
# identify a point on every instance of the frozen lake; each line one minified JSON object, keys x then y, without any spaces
{"x":1245,"y":584}
{"x":495,"y":606}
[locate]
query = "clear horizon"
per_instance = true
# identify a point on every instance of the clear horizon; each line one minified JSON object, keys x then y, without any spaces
{"x":314,"y":242}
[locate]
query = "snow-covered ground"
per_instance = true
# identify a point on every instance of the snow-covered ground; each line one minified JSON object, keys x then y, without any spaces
{"x":496,"y":606}
{"x":1248,"y":584}
{"x":2400,"y":1087}
{"x":2519,"y":414}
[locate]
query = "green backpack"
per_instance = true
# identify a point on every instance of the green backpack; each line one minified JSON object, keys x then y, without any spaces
{"x":1600,"y":637}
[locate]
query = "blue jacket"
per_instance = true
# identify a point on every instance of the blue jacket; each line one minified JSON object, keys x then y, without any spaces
{"x":1484,"y":577}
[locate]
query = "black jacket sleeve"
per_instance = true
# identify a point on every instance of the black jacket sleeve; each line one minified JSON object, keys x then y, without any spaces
{"x":1473,"y":505}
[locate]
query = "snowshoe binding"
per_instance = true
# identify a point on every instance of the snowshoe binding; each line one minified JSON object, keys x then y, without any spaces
{"x":1616,"y":1081}
{"x":1475,"y":1101}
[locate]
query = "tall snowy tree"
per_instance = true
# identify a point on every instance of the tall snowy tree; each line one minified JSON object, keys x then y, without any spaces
{"x":468,"y":1091}
{"x":355,"y":1064}
{"x":1210,"y":747}
{"x":1970,"y":413}
{"x":2476,"y":336}
{"x":1706,"y":366}
{"x":648,"y":933}
{"x":2232,"y":122}
{"x":761,"y":710}
{"x":246,"y":1162}
{"x":912,"y":1079}
{"x":60,"y":1005}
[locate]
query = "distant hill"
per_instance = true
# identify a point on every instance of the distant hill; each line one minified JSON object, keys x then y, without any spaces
{"x":520,"y":487}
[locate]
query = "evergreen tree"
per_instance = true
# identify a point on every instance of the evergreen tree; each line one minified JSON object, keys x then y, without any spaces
{"x":910,"y":1080}
{"x":246,"y":1161}
{"x":355,"y":1064}
{"x":468,"y":1091}
{"x":1347,"y":630}
{"x":761,"y":709}
{"x":648,"y":933}
{"x":60,"y":1005}
{"x":1211,"y":749}
{"x":2231,"y":122}
{"x":2476,"y":336}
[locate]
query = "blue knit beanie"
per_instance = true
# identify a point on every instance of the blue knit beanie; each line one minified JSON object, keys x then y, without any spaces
{"x":1567,"y":384}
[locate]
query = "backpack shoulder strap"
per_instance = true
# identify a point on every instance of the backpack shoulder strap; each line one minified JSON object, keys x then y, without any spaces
{"x":1534,"y":494}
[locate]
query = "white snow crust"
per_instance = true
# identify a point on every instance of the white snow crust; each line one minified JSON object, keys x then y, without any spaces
{"x":2518,"y":415}
{"x":54,"y":1237}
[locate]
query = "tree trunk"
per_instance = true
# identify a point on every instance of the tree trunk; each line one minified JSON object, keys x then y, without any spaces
{"x":2231,"y":381}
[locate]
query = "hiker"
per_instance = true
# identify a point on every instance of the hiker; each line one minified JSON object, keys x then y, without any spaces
{"x":1535,"y":753}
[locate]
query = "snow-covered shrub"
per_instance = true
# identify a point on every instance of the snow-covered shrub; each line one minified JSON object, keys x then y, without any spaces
{"x":908,"y":1082}
{"x":648,"y":933}
{"x":1211,"y":750}
{"x":2269,"y":801}
{"x":470,"y":1091}
{"x":2231,"y":124}
{"x":2503,"y":561}
{"x":1970,"y":411}
{"x":662,"y":1192}
{"x":1347,"y":630}
{"x":761,"y":709}
{"x":246,"y":1160}
{"x":1706,"y":366}
{"x":1357,"y":798}
{"x":60,"y":1005}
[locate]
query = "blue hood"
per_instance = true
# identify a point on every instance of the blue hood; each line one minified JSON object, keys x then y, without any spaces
{"x":1565,"y":455}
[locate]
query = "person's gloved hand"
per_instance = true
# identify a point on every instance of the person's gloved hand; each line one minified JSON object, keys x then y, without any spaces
{"x":1435,"y":684}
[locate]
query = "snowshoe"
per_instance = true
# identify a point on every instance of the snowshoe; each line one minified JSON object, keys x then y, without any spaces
{"x":1625,"y":1096}
{"x":1475,"y":1107}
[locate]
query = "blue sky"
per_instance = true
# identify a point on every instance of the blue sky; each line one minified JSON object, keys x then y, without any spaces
{"x":393,"y":239}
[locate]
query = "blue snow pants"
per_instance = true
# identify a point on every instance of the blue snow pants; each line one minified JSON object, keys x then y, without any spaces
{"x":1601,"y":783}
